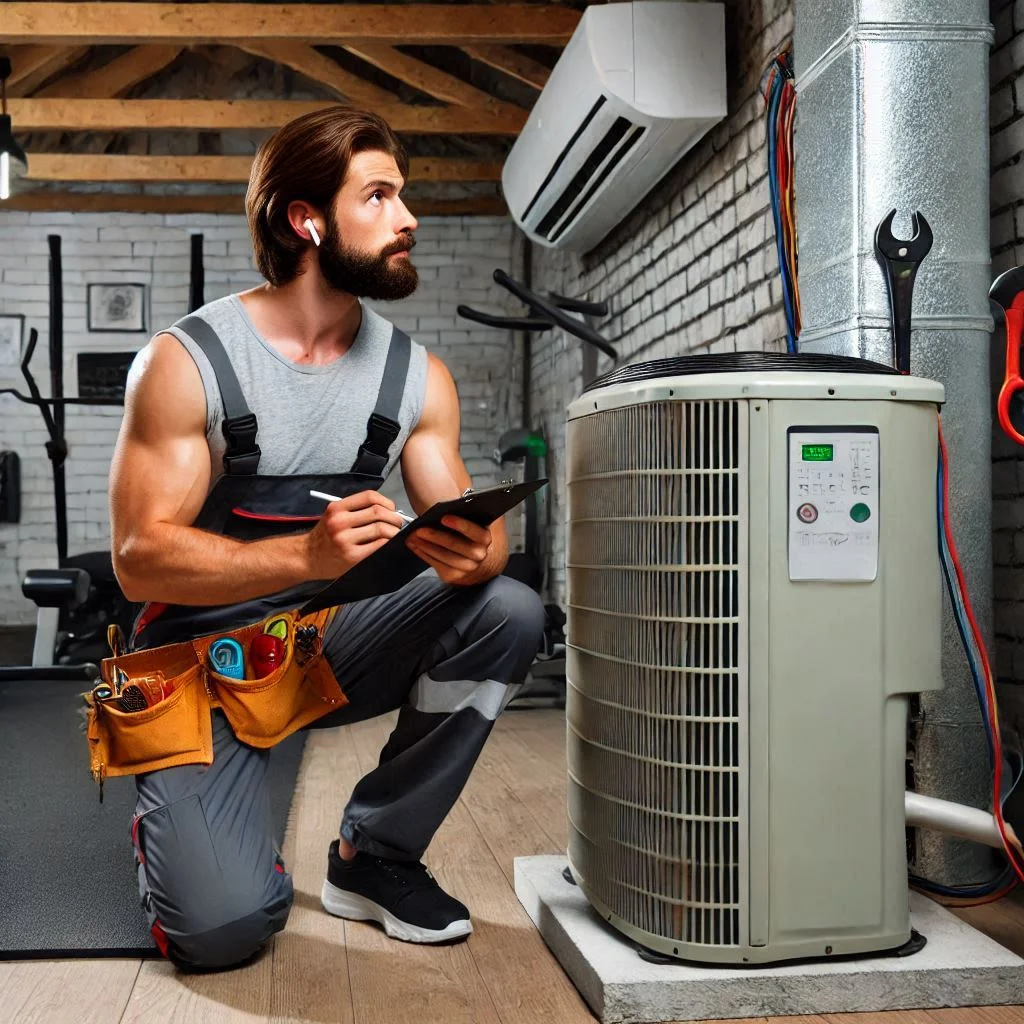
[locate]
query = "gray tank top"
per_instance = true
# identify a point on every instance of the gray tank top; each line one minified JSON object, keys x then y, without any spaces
{"x":312,"y":419}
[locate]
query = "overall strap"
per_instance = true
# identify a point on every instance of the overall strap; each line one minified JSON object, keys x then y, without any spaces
{"x":242,"y":457}
{"x":383,"y":426}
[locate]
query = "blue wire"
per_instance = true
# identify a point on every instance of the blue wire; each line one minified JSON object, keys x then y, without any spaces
{"x":775,"y":203}
{"x":960,"y":617}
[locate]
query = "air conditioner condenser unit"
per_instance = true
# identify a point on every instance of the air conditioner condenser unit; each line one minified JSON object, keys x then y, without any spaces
{"x":636,"y":87}
{"x":753,"y":591}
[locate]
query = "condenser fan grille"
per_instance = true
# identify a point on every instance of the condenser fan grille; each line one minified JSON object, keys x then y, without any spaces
{"x":655,"y":628}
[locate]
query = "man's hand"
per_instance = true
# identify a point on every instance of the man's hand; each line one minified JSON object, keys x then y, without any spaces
{"x":457,"y":556}
{"x":349,"y":531}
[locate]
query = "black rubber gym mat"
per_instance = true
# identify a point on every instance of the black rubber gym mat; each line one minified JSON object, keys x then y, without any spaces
{"x":67,"y":875}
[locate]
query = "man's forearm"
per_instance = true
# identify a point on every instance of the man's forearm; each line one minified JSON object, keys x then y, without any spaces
{"x":183,"y":565}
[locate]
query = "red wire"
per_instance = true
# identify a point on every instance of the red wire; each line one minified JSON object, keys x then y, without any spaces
{"x":997,"y":745}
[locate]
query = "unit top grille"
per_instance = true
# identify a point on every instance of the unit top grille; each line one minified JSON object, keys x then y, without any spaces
{"x":738,"y":362}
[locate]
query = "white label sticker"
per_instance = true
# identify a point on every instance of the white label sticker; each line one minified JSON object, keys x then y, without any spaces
{"x":833,"y":505}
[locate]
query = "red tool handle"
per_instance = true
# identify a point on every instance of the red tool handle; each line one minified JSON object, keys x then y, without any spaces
{"x":1012,"y":382}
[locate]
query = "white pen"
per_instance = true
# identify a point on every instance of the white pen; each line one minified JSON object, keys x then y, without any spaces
{"x":333,"y":497}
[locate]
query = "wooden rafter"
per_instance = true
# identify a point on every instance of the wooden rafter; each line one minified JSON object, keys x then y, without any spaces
{"x":223,"y":115}
{"x":108,"y":202}
{"x":84,"y":23}
{"x":27,"y":60}
{"x":120,"y":167}
{"x":320,"y":68}
{"x":511,"y":62}
{"x":117,"y":76}
{"x":33,"y":65}
{"x":423,"y":76}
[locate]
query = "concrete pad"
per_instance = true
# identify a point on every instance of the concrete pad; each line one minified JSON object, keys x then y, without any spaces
{"x":958,"y":967}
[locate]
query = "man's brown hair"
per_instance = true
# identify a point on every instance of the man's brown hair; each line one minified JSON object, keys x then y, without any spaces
{"x":307,"y":160}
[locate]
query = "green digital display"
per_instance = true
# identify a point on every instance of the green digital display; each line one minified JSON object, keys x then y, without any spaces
{"x":817,"y":452}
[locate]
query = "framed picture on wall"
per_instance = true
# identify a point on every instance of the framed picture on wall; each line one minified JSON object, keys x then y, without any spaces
{"x":12,"y":328}
{"x":117,"y":307}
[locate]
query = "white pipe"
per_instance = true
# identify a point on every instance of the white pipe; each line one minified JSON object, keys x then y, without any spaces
{"x":954,"y":819}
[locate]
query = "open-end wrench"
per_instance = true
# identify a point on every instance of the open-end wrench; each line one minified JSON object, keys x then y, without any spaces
{"x":1007,"y":292}
{"x":900,"y":260}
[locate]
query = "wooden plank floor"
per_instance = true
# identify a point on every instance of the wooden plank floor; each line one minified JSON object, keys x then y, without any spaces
{"x":323,"y":970}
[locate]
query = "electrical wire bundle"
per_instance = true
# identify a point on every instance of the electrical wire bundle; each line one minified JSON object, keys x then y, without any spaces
{"x":981,"y":673}
{"x":780,"y":99}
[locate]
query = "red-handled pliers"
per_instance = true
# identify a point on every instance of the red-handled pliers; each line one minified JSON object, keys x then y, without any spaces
{"x":1007,"y":292}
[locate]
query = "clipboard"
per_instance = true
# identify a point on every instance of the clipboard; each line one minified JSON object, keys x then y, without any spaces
{"x":392,"y":566}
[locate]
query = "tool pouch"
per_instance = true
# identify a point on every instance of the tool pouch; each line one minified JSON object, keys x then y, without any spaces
{"x":177,"y":729}
{"x":262,"y":712}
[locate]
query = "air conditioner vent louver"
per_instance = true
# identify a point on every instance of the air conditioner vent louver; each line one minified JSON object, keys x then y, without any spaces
{"x":655,"y":634}
{"x":594,"y":169}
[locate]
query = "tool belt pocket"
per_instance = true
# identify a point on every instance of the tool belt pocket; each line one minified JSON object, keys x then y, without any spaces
{"x":174,"y":731}
{"x":263,"y":711}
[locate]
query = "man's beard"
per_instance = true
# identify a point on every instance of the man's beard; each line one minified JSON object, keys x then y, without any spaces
{"x":368,"y":275}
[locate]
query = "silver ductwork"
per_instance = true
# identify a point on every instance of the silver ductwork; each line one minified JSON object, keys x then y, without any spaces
{"x":892,"y":112}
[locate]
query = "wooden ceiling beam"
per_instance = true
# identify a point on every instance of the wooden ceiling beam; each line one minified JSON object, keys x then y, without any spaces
{"x":107,"y":167}
{"x":423,"y":76}
{"x":518,"y":65}
{"x":93,"y":24}
{"x":117,"y":76}
{"x":110,"y":202}
{"x":320,"y":68}
{"x":226,"y":115}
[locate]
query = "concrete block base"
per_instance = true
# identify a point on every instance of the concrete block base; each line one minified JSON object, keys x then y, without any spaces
{"x":959,"y":966}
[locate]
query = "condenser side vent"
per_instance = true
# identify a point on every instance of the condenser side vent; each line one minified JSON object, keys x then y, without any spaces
{"x":656,"y":631}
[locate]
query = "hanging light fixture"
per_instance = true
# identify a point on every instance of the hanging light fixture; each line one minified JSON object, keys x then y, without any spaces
{"x":9,"y":149}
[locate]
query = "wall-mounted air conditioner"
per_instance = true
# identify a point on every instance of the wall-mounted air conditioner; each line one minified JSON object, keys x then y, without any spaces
{"x":637,"y":86}
{"x":752,"y":592}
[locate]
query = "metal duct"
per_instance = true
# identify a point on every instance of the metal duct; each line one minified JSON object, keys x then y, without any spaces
{"x":893,"y":112}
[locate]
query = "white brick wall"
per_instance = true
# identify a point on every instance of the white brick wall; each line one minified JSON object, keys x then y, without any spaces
{"x":694,"y":269}
{"x":455,"y":257}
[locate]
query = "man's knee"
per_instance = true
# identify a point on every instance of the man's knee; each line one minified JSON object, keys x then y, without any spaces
{"x":207,"y":907}
{"x":232,"y":943}
{"x":517,"y":608}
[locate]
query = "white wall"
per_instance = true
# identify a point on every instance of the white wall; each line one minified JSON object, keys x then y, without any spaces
{"x":455,"y":257}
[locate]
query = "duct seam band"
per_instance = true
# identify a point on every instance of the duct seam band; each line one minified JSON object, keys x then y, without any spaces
{"x":883,"y":33}
{"x":881,"y":323}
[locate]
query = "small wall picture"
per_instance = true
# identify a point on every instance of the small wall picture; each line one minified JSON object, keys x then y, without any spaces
{"x":117,"y":307}
{"x":12,"y":327}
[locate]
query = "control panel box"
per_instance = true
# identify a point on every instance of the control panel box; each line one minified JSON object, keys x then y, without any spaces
{"x":833,"y":503}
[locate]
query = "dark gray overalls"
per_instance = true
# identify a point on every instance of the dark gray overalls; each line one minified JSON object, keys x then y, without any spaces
{"x":211,"y":879}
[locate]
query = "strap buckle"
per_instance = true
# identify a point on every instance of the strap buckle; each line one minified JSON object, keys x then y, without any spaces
{"x":381,"y":432}
{"x":243,"y":454}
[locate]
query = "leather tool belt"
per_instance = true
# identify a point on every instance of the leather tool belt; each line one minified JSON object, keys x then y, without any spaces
{"x":175,"y":689}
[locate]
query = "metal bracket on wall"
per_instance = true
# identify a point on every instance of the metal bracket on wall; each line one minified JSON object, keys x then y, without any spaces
{"x":545,"y":313}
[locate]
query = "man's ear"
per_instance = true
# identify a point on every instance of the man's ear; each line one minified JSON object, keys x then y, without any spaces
{"x":306,"y":222}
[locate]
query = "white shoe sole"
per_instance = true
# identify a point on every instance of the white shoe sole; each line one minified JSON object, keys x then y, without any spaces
{"x":353,"y":907}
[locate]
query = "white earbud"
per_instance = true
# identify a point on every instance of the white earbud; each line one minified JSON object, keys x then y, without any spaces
{"x":311,"y":228}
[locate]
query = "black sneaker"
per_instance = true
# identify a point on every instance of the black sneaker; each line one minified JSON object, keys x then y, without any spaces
{"x":401,"y":895}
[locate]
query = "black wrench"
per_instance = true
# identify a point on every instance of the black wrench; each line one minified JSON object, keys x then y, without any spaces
{"x":900,"y":260}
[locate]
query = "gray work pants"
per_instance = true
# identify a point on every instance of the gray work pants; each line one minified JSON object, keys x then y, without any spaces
{"x":211,"y":880}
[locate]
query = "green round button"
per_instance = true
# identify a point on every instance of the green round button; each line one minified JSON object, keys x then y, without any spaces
{"x":860,"y":512}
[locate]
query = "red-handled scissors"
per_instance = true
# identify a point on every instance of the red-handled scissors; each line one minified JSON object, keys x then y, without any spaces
{"x":1007,"y":292}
